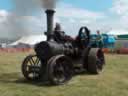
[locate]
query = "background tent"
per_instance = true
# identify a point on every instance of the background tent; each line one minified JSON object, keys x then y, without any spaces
{"x":120,"y":34}
{"x":28,"y":40}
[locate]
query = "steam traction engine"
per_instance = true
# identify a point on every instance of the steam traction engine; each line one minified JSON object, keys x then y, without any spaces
{"x":57,"y":62}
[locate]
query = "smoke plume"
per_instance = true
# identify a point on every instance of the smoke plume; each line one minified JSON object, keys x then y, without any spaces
{"x":16,"y":25}
{"x":28,"y":7}
{"x":49,"y":4}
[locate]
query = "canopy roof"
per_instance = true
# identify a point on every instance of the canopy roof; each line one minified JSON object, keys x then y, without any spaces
{"x":30,"y":40}
{"x":118,"y":32}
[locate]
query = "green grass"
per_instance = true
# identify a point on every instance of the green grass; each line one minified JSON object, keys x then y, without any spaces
{"x":113,"y":81}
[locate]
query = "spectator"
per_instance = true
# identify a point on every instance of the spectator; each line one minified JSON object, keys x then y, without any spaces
{"x":99,"y":39}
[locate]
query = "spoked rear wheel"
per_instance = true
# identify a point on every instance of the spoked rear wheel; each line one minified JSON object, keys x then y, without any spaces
{"x":96,"y":61}
{"x":32,"y":68}
{"x":60,"y":69}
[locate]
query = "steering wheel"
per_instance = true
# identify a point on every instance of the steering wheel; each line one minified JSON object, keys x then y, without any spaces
{"x":84,"y":35}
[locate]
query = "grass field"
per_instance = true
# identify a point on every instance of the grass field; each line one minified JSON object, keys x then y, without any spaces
{"x":113,"y":81}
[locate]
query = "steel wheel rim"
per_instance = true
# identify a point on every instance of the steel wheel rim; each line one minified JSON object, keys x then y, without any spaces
{"x":100,"y":60}
{"x":61,"y":72}
{"x":31,"y":68}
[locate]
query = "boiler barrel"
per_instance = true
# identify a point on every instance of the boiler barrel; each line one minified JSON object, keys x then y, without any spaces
{"x":45,"y":50}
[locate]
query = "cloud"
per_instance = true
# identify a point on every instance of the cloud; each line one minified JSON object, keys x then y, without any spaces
{"x":69,"y":11}
{"x":14,"y":25}
{"x":73,"y":18}
{"x":26,"y":7}
{"x":120,"y":7}
{"x":31,"y":19}
{"x":3,"y":15}
{"x":120,"y":14}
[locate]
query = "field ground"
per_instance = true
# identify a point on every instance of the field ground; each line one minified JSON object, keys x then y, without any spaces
{"x":113,"y":81}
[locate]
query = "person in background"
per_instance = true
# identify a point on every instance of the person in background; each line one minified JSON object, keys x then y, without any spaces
{"x":99,"y":39}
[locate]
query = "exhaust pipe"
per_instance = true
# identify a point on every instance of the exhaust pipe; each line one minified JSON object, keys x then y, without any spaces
{"x":50,"y":18}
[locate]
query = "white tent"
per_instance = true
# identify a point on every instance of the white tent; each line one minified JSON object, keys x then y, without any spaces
{"x":118,"y":32}
{"x":30,"y":40}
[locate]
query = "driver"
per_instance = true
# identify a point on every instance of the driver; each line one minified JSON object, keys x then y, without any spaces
{"x":59,"y":35}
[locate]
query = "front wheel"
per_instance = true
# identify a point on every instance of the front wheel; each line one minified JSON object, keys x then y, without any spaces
{"x":60,"y":69}
{"x":32,"y":68}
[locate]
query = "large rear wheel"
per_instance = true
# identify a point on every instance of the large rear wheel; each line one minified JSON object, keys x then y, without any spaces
{"x":95,"y":61}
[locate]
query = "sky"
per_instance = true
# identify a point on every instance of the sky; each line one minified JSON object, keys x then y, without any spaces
{"x":19,"y":18}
